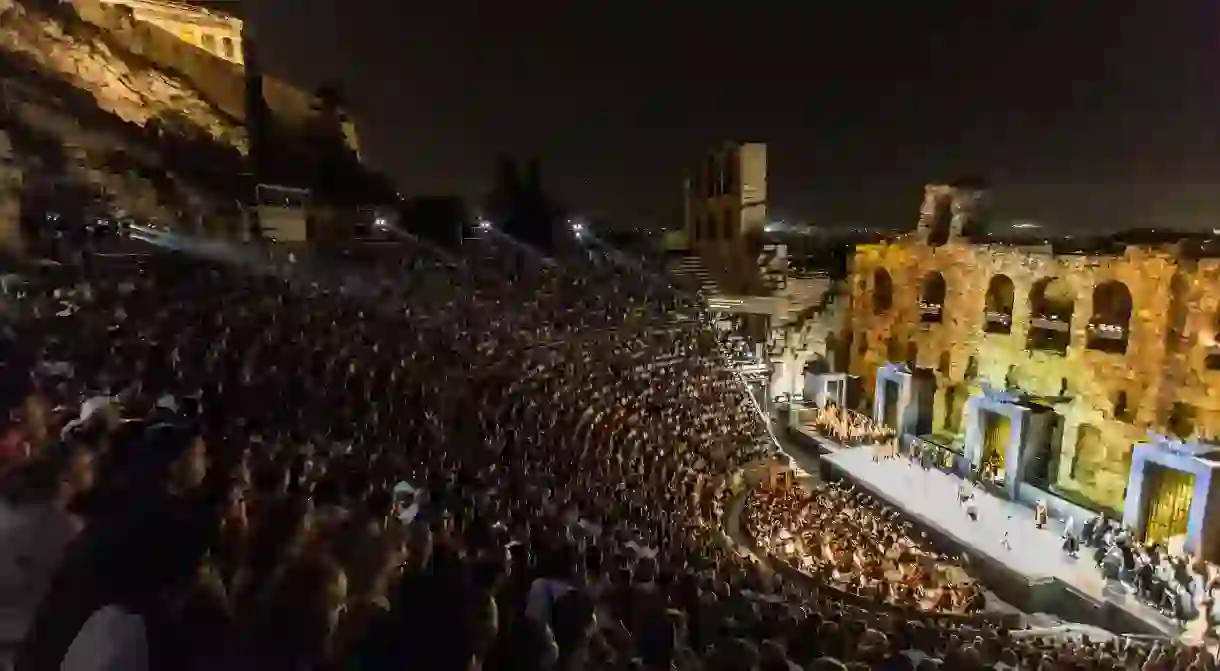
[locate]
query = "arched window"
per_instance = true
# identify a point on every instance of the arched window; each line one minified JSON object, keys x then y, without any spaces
{"x":932,"y":298}
{"x":1111,"y":321}
{"x":226,"y":47}
{"x":997,"y":313}
{"x":1051,"y":304}
{"x":883,"y":292}
{"x":1090,"y":450}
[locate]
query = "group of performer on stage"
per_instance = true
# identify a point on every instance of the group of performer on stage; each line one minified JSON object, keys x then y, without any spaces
{"x":850,"y":541}
{"x":851,"y":428}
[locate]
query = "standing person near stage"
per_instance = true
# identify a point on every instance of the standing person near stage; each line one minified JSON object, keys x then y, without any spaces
{"x":1040,"y":515}
{"x":1071,"y":545}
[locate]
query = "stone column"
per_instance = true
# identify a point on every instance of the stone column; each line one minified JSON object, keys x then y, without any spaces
{"x":967,"y":208}
{"x":934,"y":198}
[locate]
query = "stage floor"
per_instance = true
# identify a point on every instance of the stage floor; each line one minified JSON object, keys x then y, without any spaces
{"x":930,"y":498}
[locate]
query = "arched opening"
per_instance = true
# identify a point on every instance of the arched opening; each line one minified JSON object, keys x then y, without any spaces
{"x":1001,"y":297}
{"x":955,"y":408}
{"x":883,"y":292}
{"x":932,"y":298}
{"x":1181,"y":422}
{"x":1051,"y":303}
{"x":1090,"y":449}
{"x":1110,"y":324}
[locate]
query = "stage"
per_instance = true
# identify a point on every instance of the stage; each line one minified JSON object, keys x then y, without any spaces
{"x":1035,"y":575}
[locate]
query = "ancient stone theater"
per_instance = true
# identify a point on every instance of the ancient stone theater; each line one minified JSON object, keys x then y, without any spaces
{"x":1084,"y":375}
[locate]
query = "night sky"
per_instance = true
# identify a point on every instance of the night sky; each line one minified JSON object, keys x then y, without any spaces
{"x":1083,"y":114}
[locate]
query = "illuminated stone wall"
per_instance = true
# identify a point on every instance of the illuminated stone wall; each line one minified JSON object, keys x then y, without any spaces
{"x":1161,"y":382}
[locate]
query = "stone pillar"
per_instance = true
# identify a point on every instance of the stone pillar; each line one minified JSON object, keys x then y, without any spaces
{"x":935,"y":198}
{"x":967,"y":209}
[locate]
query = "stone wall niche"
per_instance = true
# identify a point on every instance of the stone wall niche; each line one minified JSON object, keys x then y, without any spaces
{"x":883,"y":292}
{"x":1051,"y":305}
{"x":903,"y":400}
{"x":932,"y":299}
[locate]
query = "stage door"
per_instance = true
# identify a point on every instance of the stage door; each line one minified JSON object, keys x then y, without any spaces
{"x":1169,"y":496}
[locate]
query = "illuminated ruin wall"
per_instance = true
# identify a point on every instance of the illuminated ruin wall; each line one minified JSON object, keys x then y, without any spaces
{"x":1161,"y":382}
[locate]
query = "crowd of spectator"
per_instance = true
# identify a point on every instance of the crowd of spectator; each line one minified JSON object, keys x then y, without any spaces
{"x":496,"y":461}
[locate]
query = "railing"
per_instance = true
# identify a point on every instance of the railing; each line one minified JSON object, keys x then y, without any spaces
{"x":1050,"y":324}
{"x":1107,"y":331}
{"x":930,"y":311}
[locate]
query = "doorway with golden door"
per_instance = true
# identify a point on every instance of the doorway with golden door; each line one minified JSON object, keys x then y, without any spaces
{"x":997,"y":433}
{"x":1170,"y":493}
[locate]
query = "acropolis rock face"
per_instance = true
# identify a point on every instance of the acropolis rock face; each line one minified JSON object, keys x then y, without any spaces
{"x":63,"y":46}
{"x":1161,"y":381}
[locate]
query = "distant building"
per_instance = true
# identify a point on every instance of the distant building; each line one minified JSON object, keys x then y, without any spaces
{"x":158,"y":30}
{"x":213,"y":31}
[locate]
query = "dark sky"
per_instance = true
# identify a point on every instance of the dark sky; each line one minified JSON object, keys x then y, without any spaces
{"x":1083,"y":113}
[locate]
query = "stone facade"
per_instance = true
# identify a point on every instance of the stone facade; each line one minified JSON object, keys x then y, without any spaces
{"x":1113,"y":376}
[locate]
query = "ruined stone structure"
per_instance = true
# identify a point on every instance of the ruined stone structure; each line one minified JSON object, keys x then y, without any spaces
{"x":791,"y":314}
{"x":211,"y":31}
{"x":726,"y":210}
{"x":205,"y":49}
{"x":1056,"y":366}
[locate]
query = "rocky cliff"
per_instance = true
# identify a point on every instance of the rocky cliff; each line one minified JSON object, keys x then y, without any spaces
{"x":89,"y":129}
{"x":128,"y":86}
